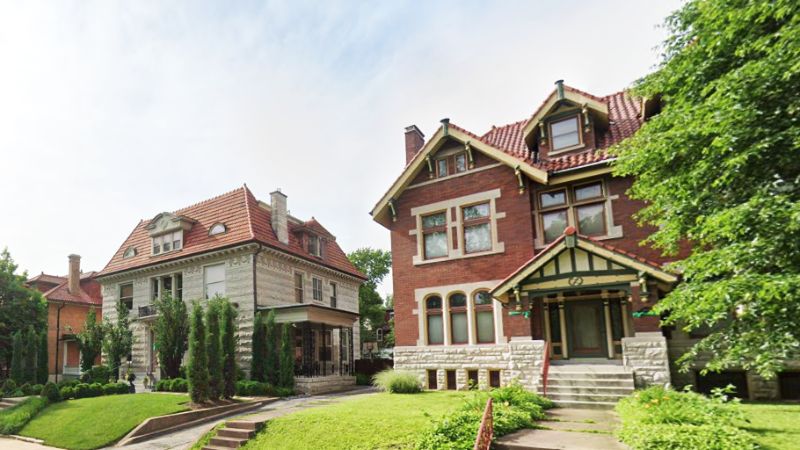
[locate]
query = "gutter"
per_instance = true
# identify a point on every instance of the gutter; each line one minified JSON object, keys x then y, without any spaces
{"x":585,"y":166}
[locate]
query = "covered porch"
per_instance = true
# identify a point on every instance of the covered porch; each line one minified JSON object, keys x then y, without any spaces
{"x":586,"y":299}
{"x":323,"y":346}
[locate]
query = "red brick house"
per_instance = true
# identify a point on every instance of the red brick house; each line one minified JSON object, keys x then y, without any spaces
{"x":515,"y":250}
{"x":69,"y":300}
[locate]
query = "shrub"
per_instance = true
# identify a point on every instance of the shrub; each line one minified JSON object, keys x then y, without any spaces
{"x":123,"y":388}
{"x":9,"y":386}
{"x":657,"y":418}
{"x":96,"y":389}
{"x":286,"y":357}
{"x":162,"y":385}
{"x":97,"y":374}
{"x":249,"y":387}
{"x":82,"y":390}
{"x":26,"y":389}
{"x":13,"y":419}
{"x":363,"y":379}
{"x":51,"y":392}
{"x":17,"y":393}
{"x":68,"y":383}
{"x":178,"y":385}
{"x":284,"y":392}
{"x":110,"y":389}
{"x":198,"y":362}
{"x":36,"y":389}
{"x":397,"y":382}
{"x":228,"y":341}
{"x":67,"y":393}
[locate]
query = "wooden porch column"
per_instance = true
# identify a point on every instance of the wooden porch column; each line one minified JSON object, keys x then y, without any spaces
{"x":324,"y":351}
{"x":609,"y":335}
{"x":562,"y":319}
{"x":626,"y":326}
{"x":547,"y":336}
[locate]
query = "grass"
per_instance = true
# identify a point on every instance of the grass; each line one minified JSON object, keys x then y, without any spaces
{"x":13,"y":419}
{"x":90,"y":423}
{"x":776,"y":426}
{"x":378,"y":421}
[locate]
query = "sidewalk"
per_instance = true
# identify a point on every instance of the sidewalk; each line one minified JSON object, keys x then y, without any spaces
{"x":568,"y":428}
{"x":184,"y":439}
{"x":15,"y":444}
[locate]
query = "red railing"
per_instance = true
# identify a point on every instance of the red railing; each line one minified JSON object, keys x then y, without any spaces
{"x":546,"y":367}
{"x":484,"y":439}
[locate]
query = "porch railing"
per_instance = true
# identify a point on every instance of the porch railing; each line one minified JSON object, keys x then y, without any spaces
{"x":485,"y":433}
{"x":546,"y":367}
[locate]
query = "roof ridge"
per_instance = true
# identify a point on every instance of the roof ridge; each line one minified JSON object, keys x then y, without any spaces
{"x":202,"y":202}
{"x":58,"y":286}
{"x":247,"y":206}
{"x":123,"y":243}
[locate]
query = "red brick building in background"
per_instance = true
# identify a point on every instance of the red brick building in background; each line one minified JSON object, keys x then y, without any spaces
{"x":69,"y":300}
{"x":516,"y":250}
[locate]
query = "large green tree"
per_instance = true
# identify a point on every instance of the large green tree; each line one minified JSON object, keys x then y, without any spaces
{"x":17,"y":358}
{"x":171,"y":333}
{"x":31,"y":342}
{"x":375,"y":264}
{"x":117,"y":338}
{"x":90,"y":340}
{"x":719,"y":167}
{"x":20,"y":307}
{"x":213,"y":350}
{"x":42,"y":372}
{"x":198,"y":359}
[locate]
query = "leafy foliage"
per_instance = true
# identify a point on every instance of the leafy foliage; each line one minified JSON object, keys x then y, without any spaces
{"x":20,"y":307}
{"x":229,"y":339}
{"x":271,"y":360}
{"x":213,"y":350}
{"x":375,"y":264}
{"x":286,"y":374}
{"x":97,"y":374}
{"x":90,"y":340}
{"x":117,"y":338}
{"x":17,"y":357}
{"x":13,"y":419}
{"x":41,"y":359}
{"x":258,"y":349}
{"x":397,"y":382}
{"x":171,"y":333}
{"x":31,"y":345}
{"x":51,"y":392}
{"x":719,"y":167}
{"x":660,"y":418}
{"x":198,"y":363}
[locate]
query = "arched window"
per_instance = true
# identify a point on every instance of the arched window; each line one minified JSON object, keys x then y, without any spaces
{"x":217,"y":228}
{"x":433,"y":311}
{"x":484,"y":317}
{"x":458,"y":318}
{"x":130,"y":252}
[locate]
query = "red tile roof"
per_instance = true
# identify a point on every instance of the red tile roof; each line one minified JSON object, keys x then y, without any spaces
{"x":245,"y":220}
{"x":61,"y":293}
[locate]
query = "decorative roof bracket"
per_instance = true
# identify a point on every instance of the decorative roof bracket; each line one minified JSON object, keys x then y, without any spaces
{"x":520,"y":182}
{"x":470,"y":159}
{"x":392,"y":210}
{"x":586,"y":122}
{"x":430,"y":165}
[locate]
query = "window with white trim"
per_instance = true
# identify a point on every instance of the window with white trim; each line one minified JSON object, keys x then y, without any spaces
{"x":435,"y":324}
{"x":484,"y":317}
{"x":217,"y":228}
{"x":298,"y":287}
{"x":459,"y":331}
{"x":314,"y":245}
{"x":316,"y":288}
{"x":477,"y":228}
{"x":168,"y":242}
{"x":582,"y":205}
{"x":434,"y":231}
{"x":565,"y":133}
{"x":334,"y":294}
{"x":126,"y":295}
{"x":214,"y":280}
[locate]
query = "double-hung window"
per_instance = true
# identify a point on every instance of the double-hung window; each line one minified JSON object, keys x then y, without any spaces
{"x":586,"y":203}
{"x":126,"y":295}
{"x":314,"y":245}
{"x":554,"y":209}
{"x":452,"y":164}
{"x":298,"y":287}
{"x":565,"y":133}
{"x":434,"y":230}
{"x":316,"y":288}
{"x":458,"y":318}
{"x":484,"y":317}
{"x":168,"y":242}
{"x":214,"y":277}
{"x":590,"y":209}
{"x":435,"y":324}
{"x":334,"y":295}
{"x":477,"y":228}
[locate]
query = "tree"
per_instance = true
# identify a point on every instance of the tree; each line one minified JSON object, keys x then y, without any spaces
{"x":258,"y":354}
{"x":198,"y":364}
{"x":90,"y":340}
{"x":213,"y":350}
{"x":18,"y":355}
{"x":42,"y":372}
{"x":31,"y":342}
{"x":719,"y":167}
{"x":286,"y":374}
{"x":375,"y":264}
{"x":171,"y":330}
{"x":229,"y":349}
{"x":271,"y":361}
{"x":117,"y":339}
{"x":20,"y":307}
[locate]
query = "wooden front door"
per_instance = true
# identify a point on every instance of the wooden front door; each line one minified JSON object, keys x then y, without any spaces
{"x":586,"y":327}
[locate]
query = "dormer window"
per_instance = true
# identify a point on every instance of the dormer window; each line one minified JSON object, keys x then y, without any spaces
{"x":130,"y":252}
{"x":451,"y":165}
{"x":565,"y":133}
{"x":314,"y":246}
{"x":168,"y":242}
{"x":217,"y":228}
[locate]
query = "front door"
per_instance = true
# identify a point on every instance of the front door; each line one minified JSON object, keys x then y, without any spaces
{"x":586,"y":329}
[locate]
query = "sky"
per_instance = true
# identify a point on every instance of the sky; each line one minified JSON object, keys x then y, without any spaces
{"x":111,"y":112}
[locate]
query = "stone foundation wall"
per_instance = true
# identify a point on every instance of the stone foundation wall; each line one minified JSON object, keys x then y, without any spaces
{"x":321,"y":385}
{"x":521,"y":360}
{"x":647,"y":355}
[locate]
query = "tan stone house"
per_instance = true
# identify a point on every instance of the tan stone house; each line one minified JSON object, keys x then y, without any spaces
{"x":258,"y":256}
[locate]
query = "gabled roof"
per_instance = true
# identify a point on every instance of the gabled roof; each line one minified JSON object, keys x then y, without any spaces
{"x":607,"y":258}
{"x":570,"y":94}
{"x":61,"y":293}
{"x":246,"y":220}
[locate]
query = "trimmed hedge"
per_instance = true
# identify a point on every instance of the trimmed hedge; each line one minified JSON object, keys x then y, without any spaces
{"x":397,"y":382}
{"x":659,"y":418}
{"x":172,"y":385}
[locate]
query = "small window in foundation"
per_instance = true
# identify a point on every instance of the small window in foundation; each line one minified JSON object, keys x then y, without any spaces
{"x":433,"y":383}
{"x":494,"y":378}
{"x":472,"y":379}
{"x":451,"y":380}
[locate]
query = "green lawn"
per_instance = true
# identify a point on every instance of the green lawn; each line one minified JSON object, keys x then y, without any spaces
{"x":90,"y":423}
{"x":376,"y":421}
{"x":775,"y":425}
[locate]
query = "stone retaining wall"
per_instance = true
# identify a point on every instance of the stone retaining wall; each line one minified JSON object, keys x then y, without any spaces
{"x":521,"y":360}
{"x":647,"y":355}
{"x":321,"y":385}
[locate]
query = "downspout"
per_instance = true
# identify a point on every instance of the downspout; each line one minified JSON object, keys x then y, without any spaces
{"x":255,"y":284}
{"x":58,"y":334}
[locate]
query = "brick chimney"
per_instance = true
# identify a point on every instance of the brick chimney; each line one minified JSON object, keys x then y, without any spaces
{"x":414,"y":141}
{"x":280,"y":216}
{"x":74,"y":276}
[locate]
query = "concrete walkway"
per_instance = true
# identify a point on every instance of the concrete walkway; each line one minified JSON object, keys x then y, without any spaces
{"x":568,"y":428}
{"x":184,"y":439}
{"x":16,"y":444}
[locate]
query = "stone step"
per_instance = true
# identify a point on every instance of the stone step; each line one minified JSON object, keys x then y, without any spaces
{"x":589,"y":375}
{"x":599,"y":382}
{"x":585,"y":404}
{"x":575,"y":396}
{"x":616,"y":390}
{"x":236,"y":433}
{"x":243,"y":425}
{"x":598,"y":427}
{"x":227,"y":442}
{"x":214,"y":447}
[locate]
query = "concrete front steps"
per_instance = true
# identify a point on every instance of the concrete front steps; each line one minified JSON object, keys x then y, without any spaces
{"x":234,"y":434}
{"x":597,"y":386}
{"x":10,"y":402}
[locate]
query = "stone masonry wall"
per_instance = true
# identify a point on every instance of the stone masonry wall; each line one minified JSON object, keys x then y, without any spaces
{"x":520,"y":359}
{"x":647,"y":355}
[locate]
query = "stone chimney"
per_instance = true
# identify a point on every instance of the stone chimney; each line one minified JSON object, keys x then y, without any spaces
{"x":414,"y":141}
{"x":74,"y":276}
{"x":280,"y":216}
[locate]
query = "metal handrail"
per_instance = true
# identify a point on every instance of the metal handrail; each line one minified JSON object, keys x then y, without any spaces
{"x":486,"y":431}
{"x":546,"y":368}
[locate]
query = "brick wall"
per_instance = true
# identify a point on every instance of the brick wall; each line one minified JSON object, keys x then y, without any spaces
{"x":72,"y":320}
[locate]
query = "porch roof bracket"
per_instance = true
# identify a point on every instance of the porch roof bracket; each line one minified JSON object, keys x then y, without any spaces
{"x":392,"y":210}
{"x":470,"y":159}
{"x":430,"y":165}
{"x":520,"y":182}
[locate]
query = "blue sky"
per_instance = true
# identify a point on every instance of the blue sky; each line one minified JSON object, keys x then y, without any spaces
{"x":111,"y":112}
